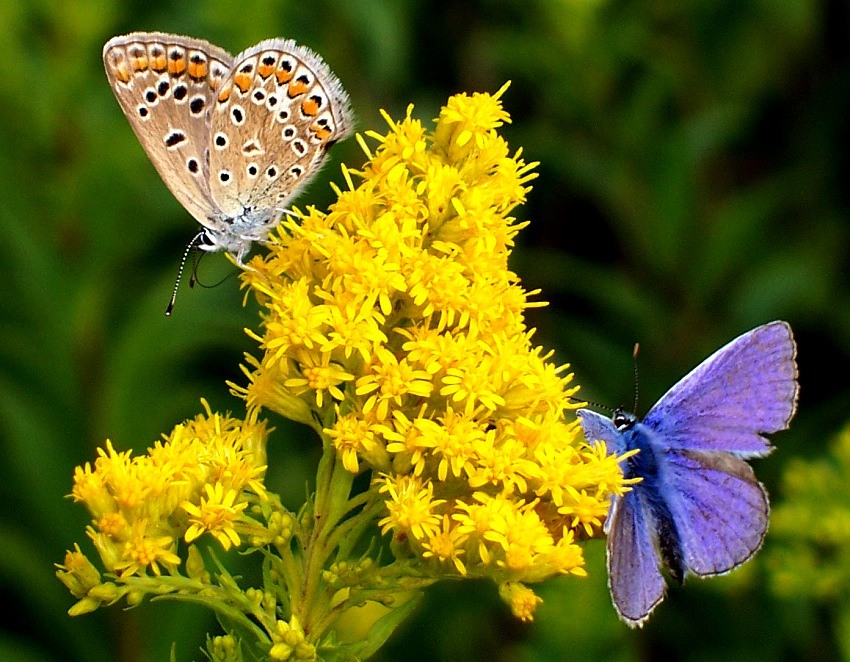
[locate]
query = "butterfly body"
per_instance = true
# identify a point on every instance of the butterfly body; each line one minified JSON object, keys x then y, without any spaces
{"x":698,"y":508}
{"x":233,"y":138}
{"x":650,"y":494}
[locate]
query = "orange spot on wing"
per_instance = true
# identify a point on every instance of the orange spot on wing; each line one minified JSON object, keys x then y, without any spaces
{"x":322,"y":133}
{"x":296,"y":88}
{"x":224,"y":95}
{"x":242,"y":81}
{"x":265,"y":70}
{"x":176,"y":66}
{"x":158,"y":63}
{"x":309,"y":107}
{"x":198,"y":70}
{"x":139,"y":63}
{"x":282,"y":75}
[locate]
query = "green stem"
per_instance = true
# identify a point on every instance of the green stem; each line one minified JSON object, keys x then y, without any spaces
{"x":323,"y":476}
{"x":292,"y":575}
{"x":332,"y":490}
{"x":215,"y":598}
{"x":348,"y":534}
{"x":360,"y":499}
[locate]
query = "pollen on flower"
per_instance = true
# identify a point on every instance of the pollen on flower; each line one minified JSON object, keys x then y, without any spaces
{"x":446,"y":545}
{"x":112,"y":524}
{"x":218,"y":513}
{"x":587,"y":510}
{"x":319,"y":377}
{"x":352,"y":434}
{"x":411,"y":507}
{"x":144,"y":550}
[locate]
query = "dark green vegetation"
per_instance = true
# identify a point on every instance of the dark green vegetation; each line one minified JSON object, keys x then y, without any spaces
{"x":692,"y":185}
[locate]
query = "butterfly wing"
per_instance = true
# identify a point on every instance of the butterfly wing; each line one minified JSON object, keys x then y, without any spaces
{"x":275,"y":117}
{"x":166,"y":85}
{"x":744,"y":390}
{"x":719,"y":508}
{"x":597,"y":427}
{"x":634,"y":577}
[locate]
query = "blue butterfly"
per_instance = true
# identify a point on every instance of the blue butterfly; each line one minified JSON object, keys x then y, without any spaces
{"x":698,"y":507}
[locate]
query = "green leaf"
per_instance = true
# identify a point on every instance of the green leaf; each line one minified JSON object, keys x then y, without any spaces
{"x":383,"y":629}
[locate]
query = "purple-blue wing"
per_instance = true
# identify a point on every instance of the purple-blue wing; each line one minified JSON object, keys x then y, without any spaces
{"x":597,"y":427}
{"x":719,"y":508}
{"x":634,"y":577}
{"x":744,"y":390}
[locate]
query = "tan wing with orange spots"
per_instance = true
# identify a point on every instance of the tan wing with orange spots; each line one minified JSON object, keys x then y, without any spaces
{"x":166,"y":85}
{"x":274,"y":119}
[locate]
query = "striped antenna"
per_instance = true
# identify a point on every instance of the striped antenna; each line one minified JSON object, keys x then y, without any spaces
{"x":634,"y":360}
{"x":188,"y":250}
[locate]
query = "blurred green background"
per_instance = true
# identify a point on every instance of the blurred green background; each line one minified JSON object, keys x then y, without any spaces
{"x":693,"y":184}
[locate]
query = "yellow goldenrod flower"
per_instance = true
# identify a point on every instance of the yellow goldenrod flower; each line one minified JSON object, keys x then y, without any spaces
{"x":406,"y":443}
{"x":451,"y":440}
{"x":290,"y":642}
{"x":217,"y":514}
{"x":586,"y":510}
{"x":295,"y":322}
{"x":389,"y":381}
{"x":521,"y":599}
{"x":318,"y":374}
{"x":267,"y":389}
{"x":78,"y":573}
{"x":411,"y":506}
{"x":352,"y":436}
{"x":144,"y":549}
{"x":138,"y":504}
{"x":446,"y":545}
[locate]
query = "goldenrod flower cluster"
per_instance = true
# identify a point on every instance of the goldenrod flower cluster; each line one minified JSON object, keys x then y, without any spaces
{"x":393,"y":324}
{"x":811,"y":527}
{"x":198,"y":480}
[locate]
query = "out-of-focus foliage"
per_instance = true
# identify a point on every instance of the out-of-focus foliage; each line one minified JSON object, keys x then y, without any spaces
{"x":810,"y":559}
{"x":692,"y":185}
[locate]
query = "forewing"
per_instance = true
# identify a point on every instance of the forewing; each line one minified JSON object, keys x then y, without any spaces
{"x":275,"y":117}
{"x":597,"y":427}
{"x":719,"y":508}
{"x":634,"y":577}
{"x":166,"y":85}
{"x":744,"y":390}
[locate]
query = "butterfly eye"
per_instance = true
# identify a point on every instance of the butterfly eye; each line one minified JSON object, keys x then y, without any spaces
{"x":623,"y":420}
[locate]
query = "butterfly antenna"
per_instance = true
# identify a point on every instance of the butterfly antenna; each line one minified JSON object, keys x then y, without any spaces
{"x":634,"y":360}
{"x":197,"y":256}
{"x":191,"y":245}
{"x":598,"y":405}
